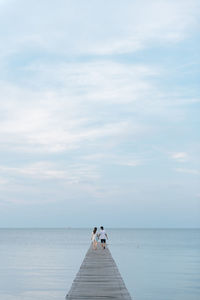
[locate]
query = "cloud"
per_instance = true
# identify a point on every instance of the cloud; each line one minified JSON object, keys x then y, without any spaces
{"x":114,"y":159}
{"x":129,"y":163}
{"x":146,"y":26}
{"x":45,"y":182}
{"x":72,"y":105}
{"x":82,"y":103}
{"x":70,"y":173}
{"x":188,"y":171}
{"x":97,"y":28}
{"x":79,"y":111}
{"x":180,"y":156}
{"x":3,"y":181}
{"x":97,"y":81}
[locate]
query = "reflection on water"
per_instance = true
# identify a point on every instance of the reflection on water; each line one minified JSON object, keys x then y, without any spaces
{"x":41,"y":264}
{"x":159,"y":264}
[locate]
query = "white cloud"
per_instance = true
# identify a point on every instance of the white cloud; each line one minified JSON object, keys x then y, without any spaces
{"x":55,"y":182}
{"x":79,"y":111}
{"x":61,"y":98}
{"x":82,"y":104}
{"x":114,"y":159}
{"x":180,"y":156}
{"x":188,"y":171}
{"x":3,"y":181}
{"x":129,"y":163}
{"x":151,"y":22}
{"x":100,"y":27}
{"x":97,"y":81}
{"x":69,"y":173}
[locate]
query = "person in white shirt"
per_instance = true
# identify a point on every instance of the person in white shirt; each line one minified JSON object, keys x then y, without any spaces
{"x":103,"y":237}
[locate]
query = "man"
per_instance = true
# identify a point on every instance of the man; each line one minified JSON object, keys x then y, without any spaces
{"x":103,"y":236}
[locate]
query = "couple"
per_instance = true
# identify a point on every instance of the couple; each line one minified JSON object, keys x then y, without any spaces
{"x":101,"y":235}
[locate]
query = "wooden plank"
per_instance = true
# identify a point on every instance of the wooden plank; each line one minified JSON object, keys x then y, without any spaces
{"x":98,"y":278}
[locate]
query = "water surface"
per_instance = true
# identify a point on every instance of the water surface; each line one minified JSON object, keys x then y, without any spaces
{"x":156,"y":264}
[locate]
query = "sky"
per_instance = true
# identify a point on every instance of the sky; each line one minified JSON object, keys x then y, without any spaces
{"x":99,"y":113}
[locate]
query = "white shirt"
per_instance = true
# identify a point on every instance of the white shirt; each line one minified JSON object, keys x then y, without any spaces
{"x":102,"y":235}
{"x":94,"y":236}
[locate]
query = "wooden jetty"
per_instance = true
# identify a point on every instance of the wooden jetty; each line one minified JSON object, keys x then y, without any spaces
{"x":98,"y":278}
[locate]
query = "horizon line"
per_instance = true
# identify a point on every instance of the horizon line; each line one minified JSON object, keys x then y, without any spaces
{"x":70,"y":227}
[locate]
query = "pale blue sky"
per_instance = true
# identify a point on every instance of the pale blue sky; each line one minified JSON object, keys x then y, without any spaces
{"x":99,"y":113}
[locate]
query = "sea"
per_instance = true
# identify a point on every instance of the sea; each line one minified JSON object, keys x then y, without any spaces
{"x":156,"y":264}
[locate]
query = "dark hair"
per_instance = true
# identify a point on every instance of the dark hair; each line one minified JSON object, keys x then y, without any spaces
{"x":95,"y":230}
{"x":101,"y":227}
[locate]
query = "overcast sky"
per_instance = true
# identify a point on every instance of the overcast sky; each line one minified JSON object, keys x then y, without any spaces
{"x":99,"y":113}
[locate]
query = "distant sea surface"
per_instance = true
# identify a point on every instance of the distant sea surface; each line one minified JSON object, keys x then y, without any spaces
{"x":156,"y":264}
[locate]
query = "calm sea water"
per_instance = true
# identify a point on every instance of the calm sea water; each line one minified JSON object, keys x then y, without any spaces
{"x":156,"y":264}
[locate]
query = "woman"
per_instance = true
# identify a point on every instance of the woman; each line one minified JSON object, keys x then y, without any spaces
{"x":94,"y":238}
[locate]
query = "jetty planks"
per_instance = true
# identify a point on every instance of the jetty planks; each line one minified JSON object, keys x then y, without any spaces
{"x":98,"y":278}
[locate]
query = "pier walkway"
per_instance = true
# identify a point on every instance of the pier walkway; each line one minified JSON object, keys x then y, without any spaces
{"x":98,"y":278}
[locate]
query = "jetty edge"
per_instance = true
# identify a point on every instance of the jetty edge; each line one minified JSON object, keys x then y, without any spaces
{"x":98,"y":278}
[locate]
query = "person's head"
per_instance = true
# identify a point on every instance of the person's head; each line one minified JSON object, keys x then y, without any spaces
{"x":95,"y":230}
{"x":102,"y":228}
